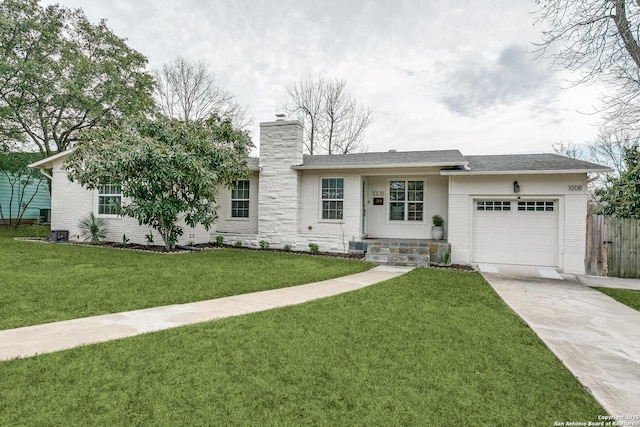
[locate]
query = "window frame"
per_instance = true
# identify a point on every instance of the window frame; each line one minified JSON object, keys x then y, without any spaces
{"x":493,"y":205}
{"x":337,"y":201}
{"x":243,"y":200}
{"x":109,"y":195}
{"x":407,"y":201}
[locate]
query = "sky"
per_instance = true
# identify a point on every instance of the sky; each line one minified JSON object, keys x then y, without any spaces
{"x":436,"y":75}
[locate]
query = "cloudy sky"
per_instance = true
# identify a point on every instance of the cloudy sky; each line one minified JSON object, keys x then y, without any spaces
{"x":437,"y":75}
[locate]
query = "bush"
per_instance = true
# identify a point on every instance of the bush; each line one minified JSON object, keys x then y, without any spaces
{"x":287,"y":248}
{"x":264,"y":245}
{"x":219,"y":240}
{"x":93,"y":229}
{"x":314,"y":248}
{"x":238,"y":244}
{"x":148,"y":239}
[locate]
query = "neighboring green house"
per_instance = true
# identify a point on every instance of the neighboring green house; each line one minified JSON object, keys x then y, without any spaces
{"x":24,"y":193}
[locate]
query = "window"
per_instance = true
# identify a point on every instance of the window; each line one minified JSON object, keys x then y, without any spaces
{"x":406,"y":200}
{"x":536,"y":206}
{"x":240,"y":199}
{"x":332,"y":198}
{"x":493,"y":205}
{"x":109,"y":198}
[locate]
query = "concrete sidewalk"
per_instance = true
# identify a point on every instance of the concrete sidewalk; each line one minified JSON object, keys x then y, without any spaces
{"x":594,"y":336}
{"x":609,"y":282}
{"x":50,"y":337}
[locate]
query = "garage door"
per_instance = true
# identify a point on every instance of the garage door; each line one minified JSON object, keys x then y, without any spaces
{"x":516,"y":232}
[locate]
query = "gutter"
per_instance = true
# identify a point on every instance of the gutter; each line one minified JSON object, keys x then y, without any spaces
{"x":524,"y":172}
{"x":380,"y":166}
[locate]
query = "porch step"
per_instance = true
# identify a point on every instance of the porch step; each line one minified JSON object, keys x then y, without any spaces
{"x":410,"y":253}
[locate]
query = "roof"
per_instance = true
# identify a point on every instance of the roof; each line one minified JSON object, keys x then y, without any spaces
{"x":528,"y":163}
{"x":451,"y":162}
{"x":439,"y":158}
{"x":47,"y":162}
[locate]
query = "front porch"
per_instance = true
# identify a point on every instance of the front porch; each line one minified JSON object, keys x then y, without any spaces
{"x":404,"y":252}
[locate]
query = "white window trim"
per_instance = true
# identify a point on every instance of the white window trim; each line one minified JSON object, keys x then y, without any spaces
{"x":231,"y":200}
{"x":343,"y":200}
{"x":97,"y":199}
{"x":388,"y":201}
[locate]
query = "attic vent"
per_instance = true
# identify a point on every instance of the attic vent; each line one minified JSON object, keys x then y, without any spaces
{"x":393,"y":151}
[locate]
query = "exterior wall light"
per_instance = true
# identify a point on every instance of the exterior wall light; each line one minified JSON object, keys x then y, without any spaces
{"x":516,"y":187}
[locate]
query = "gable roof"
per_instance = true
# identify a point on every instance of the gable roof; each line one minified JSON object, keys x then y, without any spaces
{"x":525,"y":163}
{"x":47,"y":162}
{"x":439,"y":158}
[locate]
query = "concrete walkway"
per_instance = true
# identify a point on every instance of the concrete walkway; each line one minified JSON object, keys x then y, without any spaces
{"x":50,"y":337}
{"x":595,"y":337}
{"x":610,"y":282}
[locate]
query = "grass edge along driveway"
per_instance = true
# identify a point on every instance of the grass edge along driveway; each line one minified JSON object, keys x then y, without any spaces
{"x":428,"y":348}
{"x":628,"y":297}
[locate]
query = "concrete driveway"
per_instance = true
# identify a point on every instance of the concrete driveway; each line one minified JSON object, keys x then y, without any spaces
{"x":595,"y":337}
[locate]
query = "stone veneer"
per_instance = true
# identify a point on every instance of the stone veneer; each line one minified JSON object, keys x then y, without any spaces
{"x":280,"y":149}
{"x":411,"y":253}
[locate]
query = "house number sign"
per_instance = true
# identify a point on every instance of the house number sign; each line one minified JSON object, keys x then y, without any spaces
{"x":575,"y":188}
{"x":378,"y":193}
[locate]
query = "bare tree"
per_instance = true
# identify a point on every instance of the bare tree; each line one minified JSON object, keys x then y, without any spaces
{"x":597,"y":39}
{"x":188,"y":91}
{"x":334,"y":121}
{"x":306,"y":105}
{"x":567,"y":149}
{"x":610,"y":146}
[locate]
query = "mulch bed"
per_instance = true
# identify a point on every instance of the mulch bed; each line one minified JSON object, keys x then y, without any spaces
{"x":210,"y":246}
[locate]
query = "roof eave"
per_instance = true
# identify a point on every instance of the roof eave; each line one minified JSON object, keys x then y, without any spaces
{"x":525,"y":172}
{"x":381,"y":166}
{"x":47,"y":162}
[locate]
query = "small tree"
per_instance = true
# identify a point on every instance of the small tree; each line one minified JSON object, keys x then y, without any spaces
{"x":23,"y":185}
{"x":621,"y":196}
{"x":168,"y":170}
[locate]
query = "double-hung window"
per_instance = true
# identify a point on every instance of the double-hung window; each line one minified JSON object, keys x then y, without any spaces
{"x":332,"y":198}
{"x":406,"y":200}
{"x":240,"y":199}
{"x":109,"y":199}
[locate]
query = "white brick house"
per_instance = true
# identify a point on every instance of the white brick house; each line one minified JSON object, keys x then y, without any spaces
{"x":511,"y":209}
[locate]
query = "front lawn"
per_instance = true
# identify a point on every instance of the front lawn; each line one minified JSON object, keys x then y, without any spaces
{"x":428,"y":348}
{"x":44,"y":282}
{"x":627,"y":297}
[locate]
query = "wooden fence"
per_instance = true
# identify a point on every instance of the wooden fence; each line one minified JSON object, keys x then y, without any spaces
{"x":613,"y":245}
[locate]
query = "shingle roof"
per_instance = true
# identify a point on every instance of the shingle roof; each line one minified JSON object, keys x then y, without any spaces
{"x":384,"y":159}
{"x":540,"y":163}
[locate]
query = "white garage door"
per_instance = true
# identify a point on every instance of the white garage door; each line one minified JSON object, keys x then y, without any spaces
{"x":516,"y":232}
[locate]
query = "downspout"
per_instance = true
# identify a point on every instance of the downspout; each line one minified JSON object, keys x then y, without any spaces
{"x":44,"y":172}
{"x":592,"y":179}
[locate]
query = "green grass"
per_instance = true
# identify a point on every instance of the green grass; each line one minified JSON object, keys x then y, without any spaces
{"x":627,"y":297}
{"x":42,"y":282}
{"x":428,"y":348}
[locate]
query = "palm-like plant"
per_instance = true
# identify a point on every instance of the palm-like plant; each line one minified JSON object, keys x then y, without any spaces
{"x":93,"y":229}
